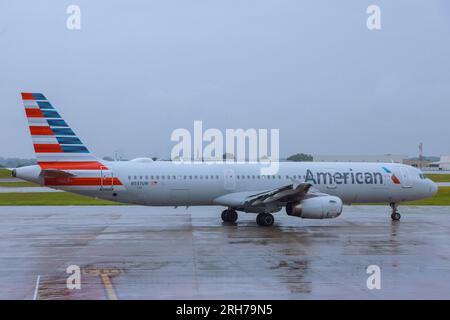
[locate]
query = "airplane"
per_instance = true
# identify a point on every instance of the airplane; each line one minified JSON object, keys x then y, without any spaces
{"x":310,"y":190}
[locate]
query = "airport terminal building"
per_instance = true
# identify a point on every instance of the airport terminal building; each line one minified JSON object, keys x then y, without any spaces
{"x":443,"y":163}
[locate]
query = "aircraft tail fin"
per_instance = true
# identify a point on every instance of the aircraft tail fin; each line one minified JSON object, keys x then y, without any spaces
{"x":55,"y":144}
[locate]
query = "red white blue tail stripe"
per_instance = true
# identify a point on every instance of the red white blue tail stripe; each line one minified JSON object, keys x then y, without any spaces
{"x":57,"y":147}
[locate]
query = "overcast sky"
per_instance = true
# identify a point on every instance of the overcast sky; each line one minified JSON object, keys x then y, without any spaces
{"x":137,"y":70}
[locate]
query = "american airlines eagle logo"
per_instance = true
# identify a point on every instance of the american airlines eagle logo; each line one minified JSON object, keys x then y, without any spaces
{"x":394,"y":178}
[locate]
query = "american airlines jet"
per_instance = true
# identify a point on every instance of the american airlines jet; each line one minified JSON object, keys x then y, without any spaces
{"x":305,"y":189}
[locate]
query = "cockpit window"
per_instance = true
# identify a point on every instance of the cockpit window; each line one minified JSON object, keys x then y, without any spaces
{"x":422,"y":176}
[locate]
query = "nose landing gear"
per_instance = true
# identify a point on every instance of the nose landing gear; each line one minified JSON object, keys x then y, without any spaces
{"x":395,"y":216}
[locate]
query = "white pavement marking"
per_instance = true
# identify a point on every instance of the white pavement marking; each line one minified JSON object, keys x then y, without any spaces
{"x":36,"y":289}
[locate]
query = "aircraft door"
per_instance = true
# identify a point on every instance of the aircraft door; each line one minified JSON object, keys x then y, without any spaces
{"x":405,"y":179}
{"x":106,"y":179}
{"x":229,"y":179}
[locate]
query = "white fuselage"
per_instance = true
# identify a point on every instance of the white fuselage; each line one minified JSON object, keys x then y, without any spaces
{"x":165,"y":183}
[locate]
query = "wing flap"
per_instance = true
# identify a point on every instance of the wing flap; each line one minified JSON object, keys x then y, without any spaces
{"x":289,"y":193}
{"x":292,"y":192}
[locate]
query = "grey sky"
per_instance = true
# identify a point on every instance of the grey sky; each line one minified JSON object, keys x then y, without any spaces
{"x":139,"y":69}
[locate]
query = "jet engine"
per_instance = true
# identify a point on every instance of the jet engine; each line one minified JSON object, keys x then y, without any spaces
{"x":322,"y":207}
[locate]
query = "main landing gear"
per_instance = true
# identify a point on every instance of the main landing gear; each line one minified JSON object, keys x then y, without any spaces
{"x":395,"y":216}
{"x":264,"y":219}
{"x":229,"y":215}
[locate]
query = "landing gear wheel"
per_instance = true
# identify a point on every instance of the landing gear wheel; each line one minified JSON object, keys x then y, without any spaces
{"x":264,"y":219}
{"x":232,"y":216}
{"x":224,"y":215}
{"x":395,"y":216}
{"x":229,"y":215}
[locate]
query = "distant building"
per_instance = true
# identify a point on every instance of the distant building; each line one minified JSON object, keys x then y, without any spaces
{"x":421,"y":162}
{"x":360,"y":158}
{"x":442,"y":164}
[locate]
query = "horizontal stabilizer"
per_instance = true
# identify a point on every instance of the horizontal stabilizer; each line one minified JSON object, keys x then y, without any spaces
{"x":54,"y":173}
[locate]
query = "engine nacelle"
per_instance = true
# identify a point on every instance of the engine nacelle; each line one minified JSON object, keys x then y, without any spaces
{"x":325,"y":207}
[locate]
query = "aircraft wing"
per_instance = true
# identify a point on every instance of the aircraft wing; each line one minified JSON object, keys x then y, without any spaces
{"x":288,"y":193}
{"x":278,"y":197}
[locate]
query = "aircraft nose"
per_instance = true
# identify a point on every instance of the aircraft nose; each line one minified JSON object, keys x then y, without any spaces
{"x":433,"y":188}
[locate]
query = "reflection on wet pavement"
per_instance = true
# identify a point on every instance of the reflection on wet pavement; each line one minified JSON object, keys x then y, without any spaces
{"x":157,"y":253}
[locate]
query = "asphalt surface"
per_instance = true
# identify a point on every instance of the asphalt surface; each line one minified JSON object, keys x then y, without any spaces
{"x":165,"y":253}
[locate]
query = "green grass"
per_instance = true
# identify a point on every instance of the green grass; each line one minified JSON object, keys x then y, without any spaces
{"x":18,"y":184}
{"x":438,"y":177}
{"x":442,"y":198}
{"x":5,"y":173}
{"x":49,"y":199}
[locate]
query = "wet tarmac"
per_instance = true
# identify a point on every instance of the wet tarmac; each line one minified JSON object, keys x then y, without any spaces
{"x":165,"y":253}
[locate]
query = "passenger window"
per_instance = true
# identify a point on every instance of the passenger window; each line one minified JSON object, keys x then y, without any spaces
{"x":168,"y":177}
{"x":129,"y":177}
{"x":151,"y":177}
{"x":217,"y":177}
{"x":174,"y":178}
